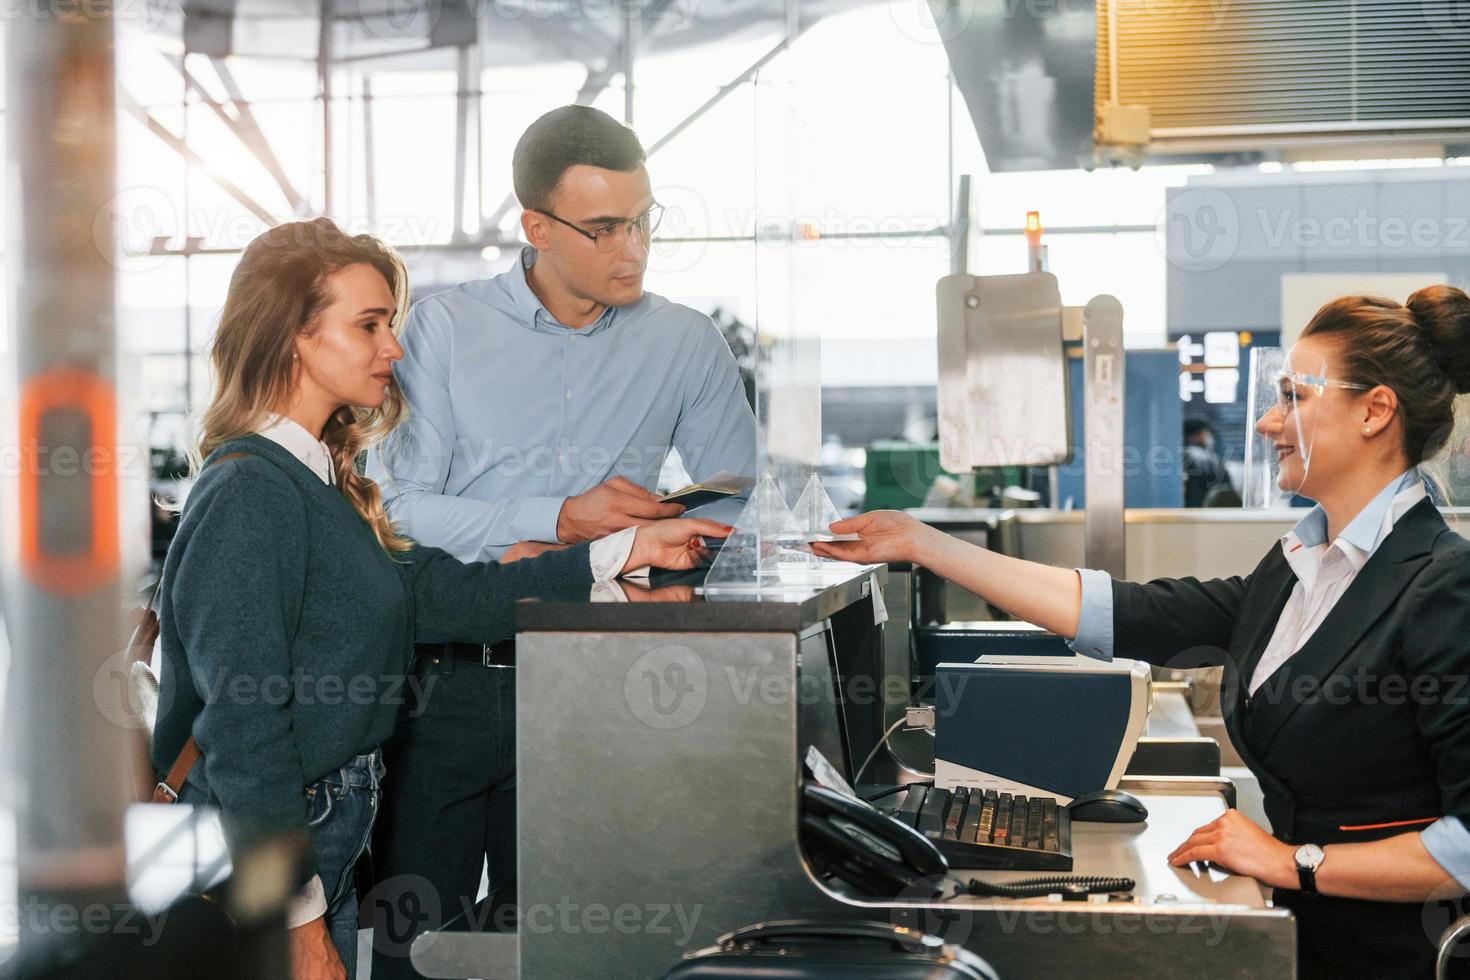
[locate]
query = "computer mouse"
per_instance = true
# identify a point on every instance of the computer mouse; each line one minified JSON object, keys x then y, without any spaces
{"x":1108,"y":806}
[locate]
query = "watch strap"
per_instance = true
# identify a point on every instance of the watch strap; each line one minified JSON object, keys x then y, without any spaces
{"x":1306,"y":874}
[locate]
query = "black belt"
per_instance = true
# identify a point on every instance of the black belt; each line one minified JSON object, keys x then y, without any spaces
{"x":502,"y":654}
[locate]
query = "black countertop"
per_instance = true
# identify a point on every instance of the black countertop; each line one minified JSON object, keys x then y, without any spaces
{"x":669,"y":603}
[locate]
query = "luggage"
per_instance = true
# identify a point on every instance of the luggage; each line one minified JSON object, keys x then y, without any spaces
{"x":814,"y":949}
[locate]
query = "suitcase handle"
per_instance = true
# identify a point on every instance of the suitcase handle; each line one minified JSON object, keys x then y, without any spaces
{"x":908,"y":940}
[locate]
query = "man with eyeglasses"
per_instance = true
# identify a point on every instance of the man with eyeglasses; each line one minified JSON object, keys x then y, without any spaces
{"x":543,"y":403}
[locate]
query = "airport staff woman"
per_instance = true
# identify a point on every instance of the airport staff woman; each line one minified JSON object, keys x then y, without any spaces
{"x":1347,"y":649}
{"x":290,"y":604}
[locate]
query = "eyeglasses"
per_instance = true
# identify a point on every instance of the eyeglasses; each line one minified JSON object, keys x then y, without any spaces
{"x":613,"y":236}
{"x":1290,"y":383}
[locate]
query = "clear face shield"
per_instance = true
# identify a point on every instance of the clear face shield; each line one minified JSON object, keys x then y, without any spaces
{"x":1284,"y":398}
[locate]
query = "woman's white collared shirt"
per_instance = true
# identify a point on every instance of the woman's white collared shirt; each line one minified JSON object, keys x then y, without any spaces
{"x":293,"y":437}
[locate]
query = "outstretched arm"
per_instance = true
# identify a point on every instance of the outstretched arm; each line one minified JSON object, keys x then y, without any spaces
{"x":1041,"y":594}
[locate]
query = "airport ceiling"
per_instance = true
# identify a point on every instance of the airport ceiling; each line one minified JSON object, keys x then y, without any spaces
{"x":510,"y":32}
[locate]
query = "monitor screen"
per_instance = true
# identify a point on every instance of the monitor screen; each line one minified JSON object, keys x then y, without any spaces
{"x":820,"y":719}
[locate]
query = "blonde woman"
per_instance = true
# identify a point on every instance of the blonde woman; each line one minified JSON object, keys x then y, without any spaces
{"x":290,"y":604}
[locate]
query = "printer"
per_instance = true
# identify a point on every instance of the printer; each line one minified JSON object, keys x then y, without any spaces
{"x":1038,"y":725}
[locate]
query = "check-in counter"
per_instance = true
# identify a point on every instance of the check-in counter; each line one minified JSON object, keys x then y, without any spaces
{"x":659,"y":779}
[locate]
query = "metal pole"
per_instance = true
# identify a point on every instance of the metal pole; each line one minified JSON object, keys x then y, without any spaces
{"x":369,"y":169}
{"x":1102,"y":409}
{"x":187,"y":259}
{"x":725,"y":90}
{"x":461,"y":139}
{"x":69,"y":761}
{"x":324,"y":75}
{"x":631,"y":25}
{"x":959,"y":229}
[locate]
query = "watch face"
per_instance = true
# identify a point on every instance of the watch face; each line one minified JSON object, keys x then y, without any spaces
{"x":1309,"y":856}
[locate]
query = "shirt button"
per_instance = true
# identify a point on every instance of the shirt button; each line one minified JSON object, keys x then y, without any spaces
{"x":569,"y":394}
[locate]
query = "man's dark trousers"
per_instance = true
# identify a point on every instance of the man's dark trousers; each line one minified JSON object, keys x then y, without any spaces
{"x":448,"y":806}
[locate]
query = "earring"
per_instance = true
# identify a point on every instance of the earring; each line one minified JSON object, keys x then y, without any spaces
{"x":1367,"y":431}
{"x":294,"y":356}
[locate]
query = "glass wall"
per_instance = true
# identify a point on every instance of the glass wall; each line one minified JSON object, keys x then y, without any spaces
{"x":199,"y":177}
{"x":423,"y":116}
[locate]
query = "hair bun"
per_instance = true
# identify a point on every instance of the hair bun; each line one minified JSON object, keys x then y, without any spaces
{"x":1443,"y":313}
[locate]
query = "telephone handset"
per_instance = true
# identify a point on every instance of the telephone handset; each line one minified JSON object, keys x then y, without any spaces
{"x":868,"y":850}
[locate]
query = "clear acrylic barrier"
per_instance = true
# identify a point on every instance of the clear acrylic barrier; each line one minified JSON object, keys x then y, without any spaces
{"x":769,"y":549}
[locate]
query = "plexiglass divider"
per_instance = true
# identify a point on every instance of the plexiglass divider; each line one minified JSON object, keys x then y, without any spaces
{"x":769,"y":549}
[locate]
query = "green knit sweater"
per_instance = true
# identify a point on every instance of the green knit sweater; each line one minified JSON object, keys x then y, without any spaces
{"x":287,"y":630}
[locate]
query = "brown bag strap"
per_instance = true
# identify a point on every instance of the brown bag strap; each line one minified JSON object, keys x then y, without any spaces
{"x":143,"y":639}
{"x":168,"y":790}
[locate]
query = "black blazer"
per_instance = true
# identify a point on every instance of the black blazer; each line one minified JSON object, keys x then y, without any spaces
{"x":1363,"y":733}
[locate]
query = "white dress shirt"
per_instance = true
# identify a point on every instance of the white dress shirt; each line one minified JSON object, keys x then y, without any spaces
{"x":1324,"y":571}
{"x":607,"y":555}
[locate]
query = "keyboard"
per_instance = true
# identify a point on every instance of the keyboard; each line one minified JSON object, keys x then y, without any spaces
{"x":990,"y":831}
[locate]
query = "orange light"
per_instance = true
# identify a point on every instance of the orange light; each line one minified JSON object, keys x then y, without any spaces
{"x":1245,"y":338}
{"x":1033,"y":227}
{"x":69,"y":389}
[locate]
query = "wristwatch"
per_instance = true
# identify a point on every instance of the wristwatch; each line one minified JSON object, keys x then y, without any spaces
{"x":1309,"y":858}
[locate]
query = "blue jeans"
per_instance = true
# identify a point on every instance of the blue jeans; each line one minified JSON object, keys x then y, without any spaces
{"x":341,"y":809}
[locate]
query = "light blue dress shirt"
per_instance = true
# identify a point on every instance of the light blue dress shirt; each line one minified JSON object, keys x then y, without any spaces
{"x":511,"y":412}
{"x":1447,"y":840}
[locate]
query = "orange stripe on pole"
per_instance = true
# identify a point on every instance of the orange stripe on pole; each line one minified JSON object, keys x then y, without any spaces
{"x":71,"y":389}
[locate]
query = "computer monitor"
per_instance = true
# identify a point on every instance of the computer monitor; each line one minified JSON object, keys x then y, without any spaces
{"x":821,"y":718}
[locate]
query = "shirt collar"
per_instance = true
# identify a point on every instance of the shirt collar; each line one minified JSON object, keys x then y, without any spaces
{"x":1366,"y":531}
{"x":533,"y":314}
{"x":291,"y":436}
